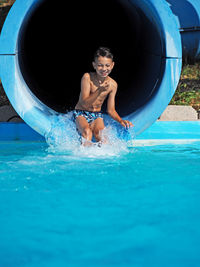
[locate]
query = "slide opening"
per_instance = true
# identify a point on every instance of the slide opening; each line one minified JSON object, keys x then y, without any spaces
{"x":57,"y":42}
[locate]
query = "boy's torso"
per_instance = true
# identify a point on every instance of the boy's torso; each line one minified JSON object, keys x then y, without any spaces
{"x":98,"y":102}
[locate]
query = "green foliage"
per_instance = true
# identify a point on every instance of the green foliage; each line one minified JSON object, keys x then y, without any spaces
{"x":6,"y":2}
{"x":188,"y":91}
{"x":186,"y":98}
{"x":191,"y":72}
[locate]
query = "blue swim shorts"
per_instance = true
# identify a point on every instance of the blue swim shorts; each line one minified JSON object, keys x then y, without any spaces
{"x":90,"y":116}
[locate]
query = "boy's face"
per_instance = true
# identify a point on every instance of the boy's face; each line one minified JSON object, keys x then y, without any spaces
{"x":103,"y":66}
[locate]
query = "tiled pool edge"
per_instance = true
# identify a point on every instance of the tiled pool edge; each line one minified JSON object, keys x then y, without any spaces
{"x":160,"y":130}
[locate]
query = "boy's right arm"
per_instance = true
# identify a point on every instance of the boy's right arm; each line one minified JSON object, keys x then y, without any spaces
{"x":85,"y":88}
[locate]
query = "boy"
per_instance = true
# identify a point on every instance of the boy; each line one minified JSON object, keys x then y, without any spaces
{"x":95,"y":87}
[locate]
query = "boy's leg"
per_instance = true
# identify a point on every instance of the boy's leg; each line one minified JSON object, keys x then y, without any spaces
{"x":84,"y":129}
{"x":97,"y":126}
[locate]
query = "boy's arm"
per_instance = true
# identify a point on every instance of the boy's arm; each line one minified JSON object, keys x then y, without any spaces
{"x":111,"y":109}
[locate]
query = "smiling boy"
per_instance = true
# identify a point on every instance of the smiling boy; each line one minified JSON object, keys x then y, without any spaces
{"x":95,"y":88}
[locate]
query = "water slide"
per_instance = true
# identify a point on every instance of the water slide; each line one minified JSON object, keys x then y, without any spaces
{"x":45,"y":48}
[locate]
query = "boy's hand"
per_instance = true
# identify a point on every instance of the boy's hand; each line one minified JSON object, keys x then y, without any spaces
{"x":104,"y":87}
{"x":126,"y":124}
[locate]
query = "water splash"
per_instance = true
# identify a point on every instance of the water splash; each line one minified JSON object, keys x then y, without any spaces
{"x":63,"y":135}
{"x":64,"y":139}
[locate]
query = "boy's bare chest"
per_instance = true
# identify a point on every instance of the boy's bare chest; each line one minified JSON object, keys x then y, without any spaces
{"x":102,"y":95}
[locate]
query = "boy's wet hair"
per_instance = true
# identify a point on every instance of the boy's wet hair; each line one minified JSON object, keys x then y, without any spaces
{"x":103,"y":52}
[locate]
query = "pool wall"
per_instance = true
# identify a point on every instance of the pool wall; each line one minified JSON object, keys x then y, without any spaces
{"x":159,"y":130}
{"x":18,"y":132}
{"x":154,"y":36}
{"x":172,"y":130}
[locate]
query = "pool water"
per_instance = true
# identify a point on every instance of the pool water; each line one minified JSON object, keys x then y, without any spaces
{"x":99,"y":206}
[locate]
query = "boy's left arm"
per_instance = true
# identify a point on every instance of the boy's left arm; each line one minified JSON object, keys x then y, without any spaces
{"x":111,"y":109}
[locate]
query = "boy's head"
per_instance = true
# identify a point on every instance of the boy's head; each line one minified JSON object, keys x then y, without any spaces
{"x":103,"y":62}
{"x":103,"y":52}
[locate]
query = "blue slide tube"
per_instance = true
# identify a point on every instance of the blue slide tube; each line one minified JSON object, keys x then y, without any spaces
{"x":45,"y":49}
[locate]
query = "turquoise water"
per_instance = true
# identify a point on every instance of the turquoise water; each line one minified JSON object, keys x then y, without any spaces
{"x":109,"y":206}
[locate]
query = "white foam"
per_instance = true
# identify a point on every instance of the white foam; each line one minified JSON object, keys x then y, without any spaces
{"x":64,"y":139}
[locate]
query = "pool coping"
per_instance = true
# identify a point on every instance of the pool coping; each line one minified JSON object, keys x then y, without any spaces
{"x":160,"y":130}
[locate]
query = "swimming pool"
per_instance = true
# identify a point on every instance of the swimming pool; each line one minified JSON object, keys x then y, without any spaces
{"x":135,"y":207}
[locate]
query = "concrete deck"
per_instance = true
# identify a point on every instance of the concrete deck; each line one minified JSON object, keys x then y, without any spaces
{"x":179,"y":113}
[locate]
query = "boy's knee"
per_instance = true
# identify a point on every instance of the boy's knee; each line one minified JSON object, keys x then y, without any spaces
{"x":97,"y":131}
{"x":87,"y":132}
